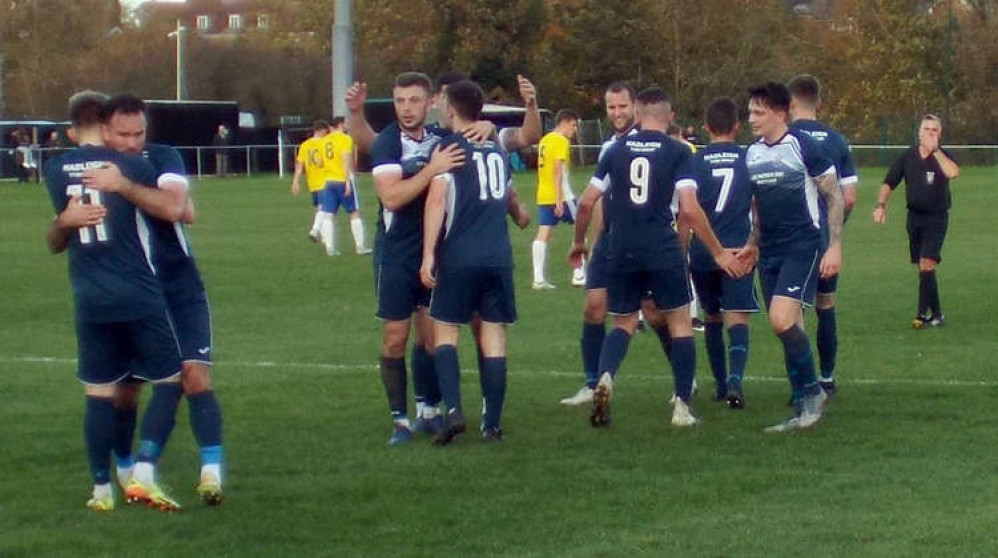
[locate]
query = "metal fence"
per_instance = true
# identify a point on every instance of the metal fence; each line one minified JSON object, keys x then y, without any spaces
{"x":247,"y":160}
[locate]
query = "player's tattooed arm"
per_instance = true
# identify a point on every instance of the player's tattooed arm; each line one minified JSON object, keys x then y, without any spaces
{"x":163,"y":203}
{"x":433,"y":221}
{"x":361,"y":132}
{"x":582,"y":220}
{"x":828,"y":187}
{"x":77,"y":214}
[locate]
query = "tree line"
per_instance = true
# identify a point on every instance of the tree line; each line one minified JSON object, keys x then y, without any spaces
{"x":882,"y":63}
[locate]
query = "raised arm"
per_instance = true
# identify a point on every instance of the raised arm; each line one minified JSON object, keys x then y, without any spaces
{"x":530,"y":132}
{"x":949,"y":166}
{"x":361,"y":132}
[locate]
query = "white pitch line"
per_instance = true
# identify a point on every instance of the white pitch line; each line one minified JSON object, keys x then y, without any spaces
{"x":522,"y":372}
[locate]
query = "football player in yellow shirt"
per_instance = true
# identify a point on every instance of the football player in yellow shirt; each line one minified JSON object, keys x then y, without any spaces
{"x":310,"y":161}
{"x":555,"y":201}
{"x":339,"y":188}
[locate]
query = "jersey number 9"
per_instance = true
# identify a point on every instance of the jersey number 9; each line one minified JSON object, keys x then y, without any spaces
{"x":640,"y":168}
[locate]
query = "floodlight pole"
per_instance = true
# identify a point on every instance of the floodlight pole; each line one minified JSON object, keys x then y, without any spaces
{"x":341,"y":55}
{"x":179,"y":36}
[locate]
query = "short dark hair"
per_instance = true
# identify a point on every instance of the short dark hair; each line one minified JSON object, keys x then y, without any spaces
{"x":449,"y":78}
{"x":467,"y":98}
{"x":806,"y":89}
{"x":722,"y":115}
{"x":87,"y":108}
{"x":408,"y":79}
{"x":319,"y":125}
{"x":673,"y":130}
{"x":126,"y":103}
{"x":772,"y":95}
{"x":619,"y":86}
{"x":565,"y":115}
{"x":337,"y":121}
{"x":653,"y":95}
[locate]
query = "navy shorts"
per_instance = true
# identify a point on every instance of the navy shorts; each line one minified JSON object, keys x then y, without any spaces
{"x":926,"y":233}
{"x":106,"y":350}
{"x":332,"y":197}
{"x":460,"y":292}
{"x":793,"y":275}
{"x":668,"y":288}
{"x":399,"y":291}
{"x":192,"y":322}
{"x":720,"y":293}
{"x":546,"y":216}
{"x":598,"y":268}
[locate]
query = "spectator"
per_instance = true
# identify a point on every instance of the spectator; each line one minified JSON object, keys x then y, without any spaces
{"x":222,"y":141}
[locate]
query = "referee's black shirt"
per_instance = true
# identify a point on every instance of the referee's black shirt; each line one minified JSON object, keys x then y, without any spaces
{"x":926,"y":186}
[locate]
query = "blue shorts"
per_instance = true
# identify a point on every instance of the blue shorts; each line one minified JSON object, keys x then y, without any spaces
{"x":105,"y":350}
{"x":315,"y":198}
{"x":598,"y":268}
{"x":720,"y":293}
{"x":399,"y":291}
{"x":332,"y":197}
{"x":793,"y":275}
{"x":460,"y":292}
{"x":545,"y":214}
{"x":192,"y":322}
{"x":668,"y":288}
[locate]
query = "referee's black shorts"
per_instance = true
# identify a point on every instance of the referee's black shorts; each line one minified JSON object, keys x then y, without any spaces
{"x":926,"y":233}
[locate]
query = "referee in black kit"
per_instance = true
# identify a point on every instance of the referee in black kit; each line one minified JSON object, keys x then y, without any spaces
{"x":926,"y":170}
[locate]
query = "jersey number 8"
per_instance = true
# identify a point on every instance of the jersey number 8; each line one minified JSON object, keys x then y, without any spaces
{"x":491,"y":175}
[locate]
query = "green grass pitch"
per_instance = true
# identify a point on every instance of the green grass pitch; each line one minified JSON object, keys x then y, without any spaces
{"x":902,"y":465}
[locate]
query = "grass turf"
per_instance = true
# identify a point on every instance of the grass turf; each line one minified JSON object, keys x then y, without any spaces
{"x":901,"y":466}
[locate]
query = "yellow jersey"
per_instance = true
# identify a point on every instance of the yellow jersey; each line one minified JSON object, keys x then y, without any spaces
{"x":336,"y":147}
{"x":310,"y":154}
{"x":552,"y":147}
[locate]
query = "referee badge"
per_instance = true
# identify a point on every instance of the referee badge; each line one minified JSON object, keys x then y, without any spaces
{"x":929,"y":177}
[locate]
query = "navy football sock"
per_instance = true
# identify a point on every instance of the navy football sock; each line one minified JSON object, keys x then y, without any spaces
{"x":394,"y":379}
{"x":828,"y":341}
{"x":125,"y":420}
{"x":934,"y":305}
{"x":664,"y":339}
{"x":799,"y":361}
{"x":714,"y":340}
{"x":738,"y":344}
{"x":592,"y":345}
{"x":449,"y":374}
{"x":158,"y":420}
{"x":684,"y":365}
{"x":98,"y":434}
{"x":424,"y":377}
{"x":925,"y":280}
{"x":206,"y":423}
{"x":614,"y":350}
{"x":493,"y":375}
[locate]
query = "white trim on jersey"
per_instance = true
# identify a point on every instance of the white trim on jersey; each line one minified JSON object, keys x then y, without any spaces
{"x":848,"y":180}
{"x":450,"y":201}
{"x":167,"y":177}
{"x":178,"y":228}
{"x":686,"y":183}
{"x":503,"y":137}
{"x":389,"y":218}
{"x":142,"y":228}
{"x":386,"y":167}
{"x":601,"y":185}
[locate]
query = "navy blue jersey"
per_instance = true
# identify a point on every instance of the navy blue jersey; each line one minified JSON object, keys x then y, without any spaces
{"x":171,"y":253}
{"x":399,"y":239}
{"x":476,"y":233}
{"x":725,"y":193}
{"x":836,"y":148}
{"x":785,"y":192}
{"x":638,"y":176}
{"x":109,"y":264}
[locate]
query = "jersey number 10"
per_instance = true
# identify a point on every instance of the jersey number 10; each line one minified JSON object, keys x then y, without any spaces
{"x":87,"y":195}
{"x":491,"y":175}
